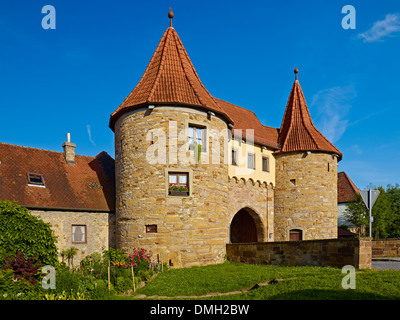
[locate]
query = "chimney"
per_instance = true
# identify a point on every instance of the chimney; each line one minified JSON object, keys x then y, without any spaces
{"x":69,"y":150}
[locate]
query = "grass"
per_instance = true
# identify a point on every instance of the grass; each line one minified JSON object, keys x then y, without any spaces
{"x":297,"y":283}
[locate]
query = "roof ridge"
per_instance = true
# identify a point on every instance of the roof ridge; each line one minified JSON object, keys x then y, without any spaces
{"x":178,"y":41}
{"x":235,"y":105}
{"x":303,"y":116}
{"x":46,"y":150}
{"x":160,"y":66}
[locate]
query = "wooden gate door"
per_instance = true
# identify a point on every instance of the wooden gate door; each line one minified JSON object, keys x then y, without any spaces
{"x":243,"y":228}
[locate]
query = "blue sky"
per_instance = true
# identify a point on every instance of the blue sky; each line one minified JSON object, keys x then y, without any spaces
{"x":72,"y":78}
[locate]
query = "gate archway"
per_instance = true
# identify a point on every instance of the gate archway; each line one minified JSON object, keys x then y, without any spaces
{"x":245,"y":227}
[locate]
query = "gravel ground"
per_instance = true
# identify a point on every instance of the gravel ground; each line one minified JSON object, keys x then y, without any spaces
{"x":386,"y":264}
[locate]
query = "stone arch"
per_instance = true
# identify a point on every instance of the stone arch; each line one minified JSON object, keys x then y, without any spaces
{"x":236,"y":179}
{"x":252,"y":181}
{"x":246,"y":226}
{"x":271,"y":186}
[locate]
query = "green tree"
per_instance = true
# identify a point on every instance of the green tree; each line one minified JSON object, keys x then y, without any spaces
{"x":394,"y":224}
{"x":357,"y":213}
{"x":20,"y":231}
{"x":382,"y":213}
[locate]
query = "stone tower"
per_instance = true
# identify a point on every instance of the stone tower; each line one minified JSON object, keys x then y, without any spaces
{"x":156,"y":128}
{"x":306,"y":176}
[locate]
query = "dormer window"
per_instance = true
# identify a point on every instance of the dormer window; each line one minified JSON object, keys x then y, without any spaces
{"x":35,"y":179}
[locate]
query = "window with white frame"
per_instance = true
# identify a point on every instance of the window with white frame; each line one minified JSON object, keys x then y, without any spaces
{"x":251,"y":161}
{"x":79,"y":234}
{"x":197,"y":136}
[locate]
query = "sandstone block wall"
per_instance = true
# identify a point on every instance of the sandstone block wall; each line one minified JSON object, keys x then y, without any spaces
{"x":191,"y":230}
{"x":306,"y":195}
{"x":258,"y":199}
{"x":386,"y":248}
{"x":100,"y":228}
{"x":332,"y":252}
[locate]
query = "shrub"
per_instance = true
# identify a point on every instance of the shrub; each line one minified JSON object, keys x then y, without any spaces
{"x":123,"y":284}
{"x":23,"y":268}
{"x":17,"y":289}
{"x":92,"y":265}
{"x":22,"y":232}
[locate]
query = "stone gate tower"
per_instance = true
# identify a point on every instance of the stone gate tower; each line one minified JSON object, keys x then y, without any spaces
{"x":306,"y":176}
{"x":158,"y":129}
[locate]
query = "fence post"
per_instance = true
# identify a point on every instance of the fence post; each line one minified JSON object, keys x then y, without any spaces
{"x":109,"y":286}
{"x":133,"y":279}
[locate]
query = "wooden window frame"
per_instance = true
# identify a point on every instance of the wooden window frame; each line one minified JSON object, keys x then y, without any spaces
{"x":253,"y":165}
{"x":30,"y":175}
{"x":266,"y":168}
{"x":72,"y":234}
{"x":187,"y":170}
{"x":234,"y":159}
{"x":149,"y":227}
{"x":203,"y":136}
{"x":178,"y":174}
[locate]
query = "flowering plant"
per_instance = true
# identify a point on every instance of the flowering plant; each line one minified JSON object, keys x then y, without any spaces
{"x":140,"y":257}
{"x":173,"y":187}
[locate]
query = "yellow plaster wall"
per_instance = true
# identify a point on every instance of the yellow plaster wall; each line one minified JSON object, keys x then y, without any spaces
{"x":241,"y":170}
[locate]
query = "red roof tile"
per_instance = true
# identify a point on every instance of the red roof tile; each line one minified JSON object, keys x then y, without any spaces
{"x":298,"y":132}
{"x":347,"y":190}
{"x":246,"y":119}
{"x":344,"y":233}
{"x":87,"y":185}
{"x":170,"y":78}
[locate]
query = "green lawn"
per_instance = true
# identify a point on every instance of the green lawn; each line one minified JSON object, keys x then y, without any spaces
{"x":286,"y":283}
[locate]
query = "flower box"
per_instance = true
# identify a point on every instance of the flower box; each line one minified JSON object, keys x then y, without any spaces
{"x":178,"y":193}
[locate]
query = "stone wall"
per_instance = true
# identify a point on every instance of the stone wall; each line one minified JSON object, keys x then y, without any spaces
{"x":191,"y":230}
{"x":100,"y":228}
{"x":386,"y":248}
{"x":306,"y":195}
{"x":332,"y":252}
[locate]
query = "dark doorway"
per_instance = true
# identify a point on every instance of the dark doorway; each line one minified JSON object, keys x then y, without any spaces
{"x":295,"y":235}
{"x":243,"y":228}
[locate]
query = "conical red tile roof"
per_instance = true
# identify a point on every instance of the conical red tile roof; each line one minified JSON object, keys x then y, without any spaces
{"x":297,"y":132}
{"x":170,"y":78}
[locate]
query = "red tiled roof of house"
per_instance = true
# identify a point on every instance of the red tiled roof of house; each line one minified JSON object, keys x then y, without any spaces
{"x":87,"y":185}
{"x":170,"y":78}
{"x":246,"y":119}
{"x":297,"y":132}
{"x":344,"y":233}
{"x":347,"y":190}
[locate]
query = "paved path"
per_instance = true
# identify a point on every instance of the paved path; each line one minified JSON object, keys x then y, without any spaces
{"x":386,"y":263}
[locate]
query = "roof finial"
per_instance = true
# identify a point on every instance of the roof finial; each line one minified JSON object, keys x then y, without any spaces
{"x":296,"y":71}
{"x":170,"y":16}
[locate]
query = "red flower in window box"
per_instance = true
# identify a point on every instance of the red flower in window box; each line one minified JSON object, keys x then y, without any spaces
{"x":175,"y":190}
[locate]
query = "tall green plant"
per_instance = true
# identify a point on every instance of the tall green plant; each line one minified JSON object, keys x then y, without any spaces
{"x":20,"y":231}
{"x":357,"y":213}
{"x":69,"y":254}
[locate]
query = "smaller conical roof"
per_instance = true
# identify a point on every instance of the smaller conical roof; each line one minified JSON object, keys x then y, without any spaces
{"x":297,"y":132}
